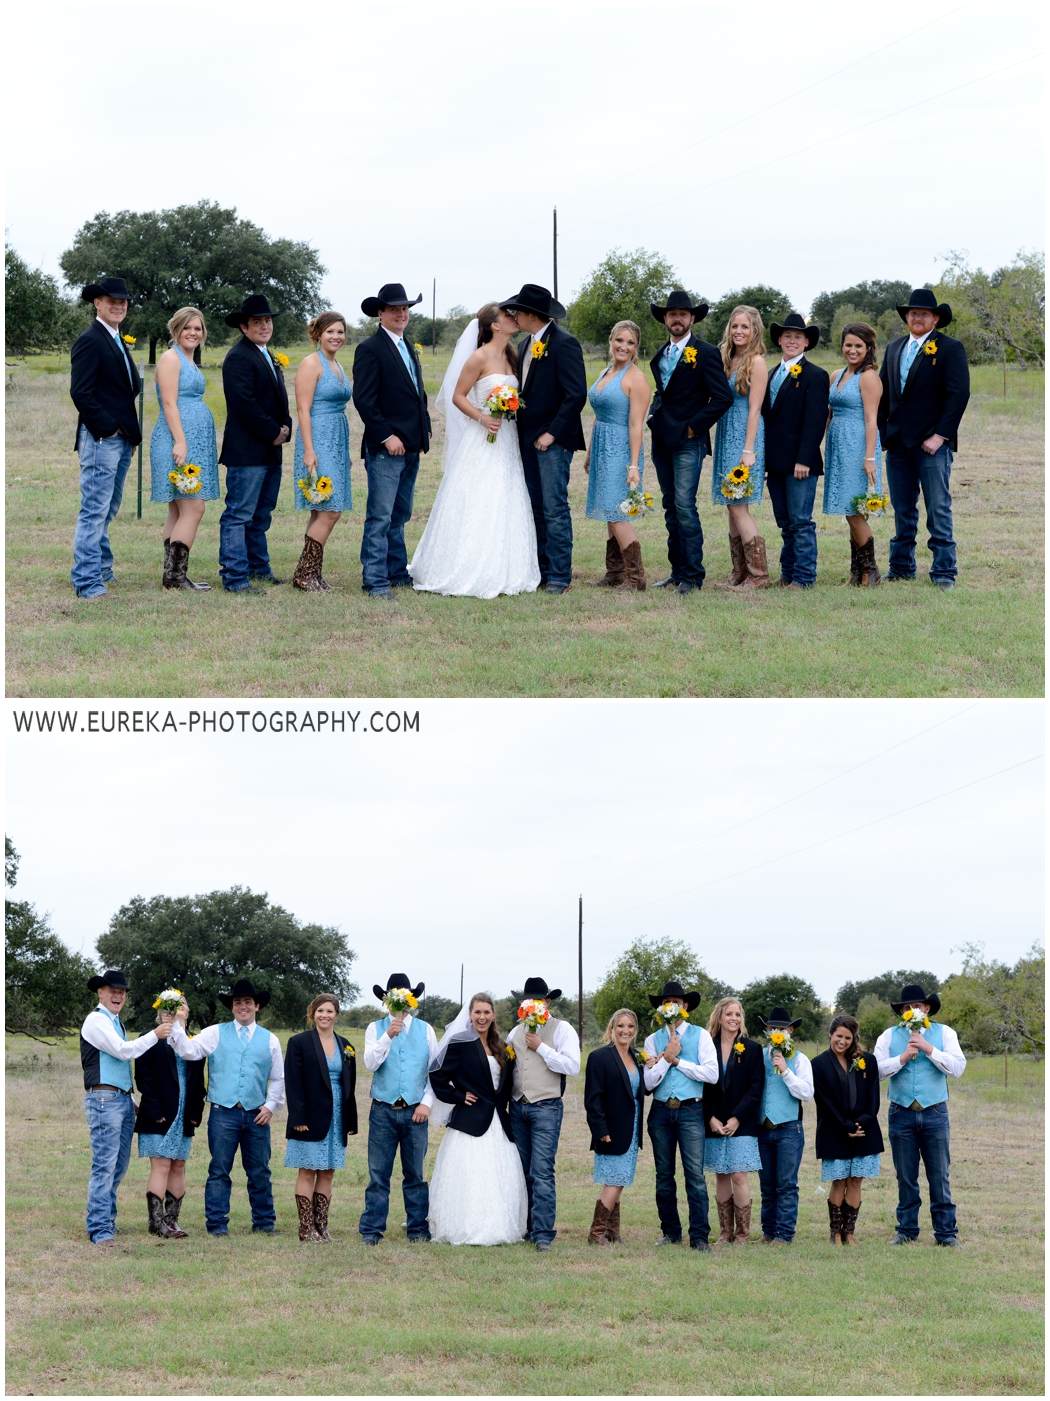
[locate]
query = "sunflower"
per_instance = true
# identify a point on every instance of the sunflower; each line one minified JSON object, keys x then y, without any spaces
{"x":324,"y":484}
{"x":689,"y":355}
{"x":418,"y":347}
{"x":739,"y":473}
{"x":191,"y":470}
{"x":777,"y":1037}
{"x":930,"y":348}
{"x":282,"y":360}
{"x":538,"y":350}
{"x":129,"y":340}
{"x":173,"y":477}
{"x":795,"y":370}
{"x":738,"y":1047}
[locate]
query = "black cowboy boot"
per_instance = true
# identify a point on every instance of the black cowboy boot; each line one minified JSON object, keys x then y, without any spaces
{"x":868,"y":575}
{"x":321,"y":1216}
{"x":835,"y":1222}
{"x":172,"y":1207}
{"x":854,"y":571}
{"x":307,"y":1230}
{"x":157,"y":1224}
{"x":849,"y":1221}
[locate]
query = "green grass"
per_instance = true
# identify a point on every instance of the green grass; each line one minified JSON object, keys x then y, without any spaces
{"x":909,"y":639}
{"x":257,"y":1315}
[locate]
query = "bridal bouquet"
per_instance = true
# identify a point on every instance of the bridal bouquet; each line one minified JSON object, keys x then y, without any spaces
{"x":868,"y":503}
{"x":636,"y":503}
{"x":188,"y":481}
{"x":504,"y":401}
{"x":669,"y":1012}
{"x":780,"y":1040}
{"x":170,"y":1000}
{"x":737,"y":484}
{"x":316,"y":490}
{"x":398,"y":1001}
{"x":912,"y":1020}
{"x":534,"y":1014}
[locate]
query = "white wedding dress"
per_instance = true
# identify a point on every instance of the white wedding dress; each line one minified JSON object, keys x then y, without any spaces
{"x":477,"y":1192}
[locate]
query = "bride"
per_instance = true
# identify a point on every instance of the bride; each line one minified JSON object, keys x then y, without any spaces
{"x":480,"y":540}
{"x":477,"y":1192}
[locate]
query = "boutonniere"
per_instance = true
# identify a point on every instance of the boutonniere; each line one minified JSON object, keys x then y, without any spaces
{"x":509,"y":1051}
{"x":282,"y":360}
{"x":417,"y":347}
{"x":858,"y":1063}
{"x":349,"y":1053}
{"x":930,"y":348}
{"x":689,"y":355}
{"x":539,"y":350}
{"x":795,"y":370}
{"x":738,"y":1047}
{"x":129,"y":340}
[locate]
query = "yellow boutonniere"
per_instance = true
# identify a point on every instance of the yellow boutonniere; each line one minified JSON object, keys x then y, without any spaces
{"x":349,"y":1052}
{"x":129,"y":340}
{"x":539,"y":350}
{"x":418,"y":347}
{"x":860,"y":1063}
{"x":510,"y":1053}
{"x":930,"y":348}
{"x":795,"y":371}
{"x":739,"y":1048}
{"x":689,"y":355}
{"x":281,"y":359}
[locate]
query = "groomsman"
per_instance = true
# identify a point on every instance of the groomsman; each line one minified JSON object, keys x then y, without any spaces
{"x":781,"y":1138}
{"x":925,"y":390}
{"x":692,"y":394}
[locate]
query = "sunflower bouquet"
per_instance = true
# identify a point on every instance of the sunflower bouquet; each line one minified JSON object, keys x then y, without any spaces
{"x":913,"y":1020}
{"x":504,"y":401}
{"x":398,"y":1001}
{"x":170,"y":1000}
{"x":669,"y":1013}
{"x":779,"y":1041}
{"x":533,"y":1013}
{"x":316,"y":489}
{"x":737,"y":484}
{"x":868,"y":503}
{"x":186,"y":482}
{"x":636,"y":503}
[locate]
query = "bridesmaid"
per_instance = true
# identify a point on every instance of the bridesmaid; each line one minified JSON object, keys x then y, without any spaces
{"x":854,"y":453}
{"x":849,"y":1139}
{"x":731,"y":1109}
{"x":740,"y":438}
{"x":613,"y":1097}
{"x":322,"y":443}
{"x":615,"y":460}
{"x":171,"y":1106}
{"x":184,"y":436}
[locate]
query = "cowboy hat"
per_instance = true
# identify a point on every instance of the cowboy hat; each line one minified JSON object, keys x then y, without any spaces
{"x":912,"y":992}
{"x":781,"y":1017}
{"x":111,"y":978}
{"x":398,"y":980}
{"x":794,"y":322}
{"x":674,"y":989}
{"x":114,"y":287}
{"x":537,"y":987}
{"x":922,"y":299}
{"x":679,"y":301}
{"x":537,"y":300}
{"x":244,"y":987}
{"x":255,"y":305}
{"x":390,"y":294}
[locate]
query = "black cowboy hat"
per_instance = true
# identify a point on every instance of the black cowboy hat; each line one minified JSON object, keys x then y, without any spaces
{"x":390,"y":294}
{"x":673,"y":989}
{"x":914,"y":993}
{"x":679,"y":301}
{"x":537,"y":300}
{"x":794,"y":322}
{"x":537,"y":987}
{"x":398,"y":980}
{"x":255,"y":305}
{"x":922,"y":299}
{"x":114,"y":978}
{"x":244,"y":987}
{"x":106,"y":287}
{"x":781,"y":1017}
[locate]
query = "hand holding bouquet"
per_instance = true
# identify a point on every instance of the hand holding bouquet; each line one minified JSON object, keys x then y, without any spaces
{"x":914,"y":1020}
{"x":670,"y":1014}
{"x":781,"y":1044}
{"x":170,"y":1000}
{"x":316,"y":489}
{"x":636,"y":503}
{"x":504,"y":401}
{"x":534,"y":1013}
{"x":868,"y":503}
{"x":737,"y":484}
{"x":187,"y":481}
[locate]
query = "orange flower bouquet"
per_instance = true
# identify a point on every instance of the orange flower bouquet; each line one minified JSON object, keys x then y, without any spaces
{"x":504,"y":401}
{"x":534,"y":1014}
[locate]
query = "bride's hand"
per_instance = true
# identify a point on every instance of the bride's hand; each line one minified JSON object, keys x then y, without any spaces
{"x":490,"y":424}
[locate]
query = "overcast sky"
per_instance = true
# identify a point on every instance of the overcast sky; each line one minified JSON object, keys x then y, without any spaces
{"x":830,"y":839}
{"x":807,"y":147}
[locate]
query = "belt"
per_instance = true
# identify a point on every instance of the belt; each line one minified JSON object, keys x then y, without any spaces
{"x":397,"y":1104}
{"x":768,"y":1124}
{"x":678,"y":1103}
{"x":117,"y":1088}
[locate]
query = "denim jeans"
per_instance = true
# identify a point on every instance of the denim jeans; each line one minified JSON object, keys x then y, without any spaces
{"x":536,"y":1129}
{"x":908,"y":470}
{"x":682,"y":1128}
{"x":547,"y":480}
{"x":915,"y":1134}
{"x":781,"y":1152}
{"x":110,"y":1119}
{"x":678,"y":472}
{"x":792,"y":500}
{"x":391,"y":487}
{"x":228,"y":1130}
{"x":104,"y":464}
{"x":251,"y":495}
{"x":387,"y":1129}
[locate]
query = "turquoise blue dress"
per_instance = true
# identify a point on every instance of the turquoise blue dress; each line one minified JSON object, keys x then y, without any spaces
{"x":174,"y":1143}
{"x":617,"y":1169}
{"x":730,"y":436}
{"x":330,"y":1152}
{"x":844,"y":475}
{"x":331,"y":435}
{"x":610,"y":452}
{"x":835,"y":1169}
{"x":737,"y":1153}
{"x":199,"y":429}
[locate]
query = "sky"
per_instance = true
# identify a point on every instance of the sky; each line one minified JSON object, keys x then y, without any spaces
{"x":805,"y":147}
{"x":833,"y":840}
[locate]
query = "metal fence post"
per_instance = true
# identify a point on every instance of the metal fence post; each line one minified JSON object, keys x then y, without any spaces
{"x":142,"y":394}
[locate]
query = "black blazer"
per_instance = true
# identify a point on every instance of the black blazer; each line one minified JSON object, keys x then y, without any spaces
{"x":386,"y":398}
{"x":610,"y":1103}
{"x":739,"y":1095}
{"x":555,"y":392}
{"x":99,"y":385}
{"x":308,"y":1087}
{"x":844,"y":1101}
{"x":466,"y":1067}
{"x":696,"y":397}
{"x":157,"y":1081}
{"x":256,"y":408}
{"x":935,"y":395}
{"x":795,"y":424}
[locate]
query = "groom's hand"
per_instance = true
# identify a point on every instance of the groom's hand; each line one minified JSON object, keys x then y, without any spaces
{"x":396,"y":1026}
{"x":533,"y":1041}
{"x":544,"y":441}
{"x":421,"y":1115}
{"x":394,"y":446}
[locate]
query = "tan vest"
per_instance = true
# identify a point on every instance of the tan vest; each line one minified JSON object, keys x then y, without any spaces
{"x":532,"y":1079}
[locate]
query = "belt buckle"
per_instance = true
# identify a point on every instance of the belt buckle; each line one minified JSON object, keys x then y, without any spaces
{"x":674,"y":1103}
{"x":915,"y":1104}
{"x":400,"y":1104}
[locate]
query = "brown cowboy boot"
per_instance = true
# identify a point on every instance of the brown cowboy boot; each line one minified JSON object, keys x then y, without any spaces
{"x":743,"y":1223}
{"x":725,"y":1222}
{"x":615,"y":574}
{"x":305,"y":1207}
{"x":868,"y":575}
{"x":155,"y":1207}
{"x":600,"y":1224}
{"x":612,"y":1231}
{"x":307,"y":574}
{"x":854,"y":572}
{"x":739,"y":573}
{"x":757,"y":568}
{"x":635,"y":570}
{"x":835,"y":1222}
{"x":321,"y":1216}
{"x":849,"y":1221}
{"x":172,"y":1207}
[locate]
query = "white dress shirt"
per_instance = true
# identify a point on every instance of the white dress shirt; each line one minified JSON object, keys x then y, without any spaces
{"x":377,"y":1048}
{"x":525,"y":368}
{"x":799,"y":1077}
{"x":563,"y":1057}
{"x":103,"y":1033}
{"x":206,"y":1042}
{"x":705,"y":1070}
{"x":950,"y":1059}
{"x":919,"y":340}
{"x":114,"y":331}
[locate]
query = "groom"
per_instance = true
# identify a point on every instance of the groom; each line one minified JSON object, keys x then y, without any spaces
{"x":553,"y":393}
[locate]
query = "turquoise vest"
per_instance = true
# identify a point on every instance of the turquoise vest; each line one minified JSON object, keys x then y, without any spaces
{"x":239,"y":1070}
{"x":919,"y":1079}
{"x":403,"y":1075}
{"x":675,"y":1084}
{"x":110,"y":1070}
{"x":779,"y":1105}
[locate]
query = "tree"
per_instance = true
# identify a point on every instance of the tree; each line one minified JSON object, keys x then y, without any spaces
{"x":995,"y":1007}
{"x":770,"y":303}
{"x":886,"y":987}
{"x":783,"y":990}
{"x":999,"y":314}
{"x":869,"y":299}
{"x":203,"y":943}
{"x":622,"y":288}
{"x":643,"y":969}
{"x":196,"y":255}
{"x":873,"y":1016}
{"x":36,"y":316}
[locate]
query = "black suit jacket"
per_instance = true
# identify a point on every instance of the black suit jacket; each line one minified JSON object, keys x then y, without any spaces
{"x":935,"y":395}
{"x":795,"y":424}
{"x":696,"y":397}
{"x":99,"y":385}
{"x":308,"y":1087}
{"x":610,"y":1103}
{"x":464,"y":1068}
{"x":844,"y":1101}
{"x":256,"y":408}
{"x":385,"y":397}
{"x":157,"y":1081}
{"x":739,"y":1095}
{"x":555,"y":392}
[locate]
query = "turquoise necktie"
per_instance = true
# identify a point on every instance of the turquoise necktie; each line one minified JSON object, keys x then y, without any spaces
{"x":910,"y":352}
{"x":670,"y":361}
{"x":779,"y":375}
{"x":408,"y":360}
{"x":124,"y":356}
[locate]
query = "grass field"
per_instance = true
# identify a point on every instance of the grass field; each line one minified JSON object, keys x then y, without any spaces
{"x":907,"y":640}
{"x":260,"y":1315}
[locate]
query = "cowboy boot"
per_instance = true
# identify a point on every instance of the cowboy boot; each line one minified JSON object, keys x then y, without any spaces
{"x":743,"y":1223}
{"x":635,"y":570}
{"x":849,"y":1222}
{"x":175,"y":575}
{"x":615,"y":574}
{"x":155,"y":1207}
{"x":757,"y":568}
{"x":868,"y":575}
{"x":612,"y":1231}
{"x":725,"y":1222}
{"x":167,"y":561}
{"x":172,"y":1206}
{"x":600,"y":1223}
{"x":305,"y":1208}
{"x":189,"y":583}
{"x":739,"y":573}
{"x":854,"y":571}
{"x":835,"y":1222}
{"x":308,"y":571}
{"x":321,"y":1216}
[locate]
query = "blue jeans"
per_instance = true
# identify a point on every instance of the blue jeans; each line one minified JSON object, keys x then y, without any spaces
{"x":682,"y":1128}
{"x":104,"y":464}
{"x":391,"y":487}
{"x":908,"y":470}
{"x":678,"y":472}
{"x":781,"y":1152}
{"x":547,"y":480}
{"x":251,"y":495}
{"x":110,"y":1119}
{"x":387,"y":1129}
{"x":536,"y":1129}
{"x":228,"y":1130}
{"x":792,"y":502}
{"x":915,"y":1134}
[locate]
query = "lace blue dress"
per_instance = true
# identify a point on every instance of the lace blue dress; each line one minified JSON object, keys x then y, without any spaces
{"x":730,"y":436}
{"x":610,"y":451}
{"x":844,"y":475}
{"x":617,"y":1169}
{"x":835,"y":1169}
{"x":737,"y":1153}
{"x":198,"y":426}
{"x":174,"y":1143}
{"x":331,"y":435}
{"x":329,"y":1152}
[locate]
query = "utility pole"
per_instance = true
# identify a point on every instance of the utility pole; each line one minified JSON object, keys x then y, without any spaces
{"x":579,"y":1009}
{"x":433,"y":319}
{"x":556,"y":261}
{"x":461,"y":985}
